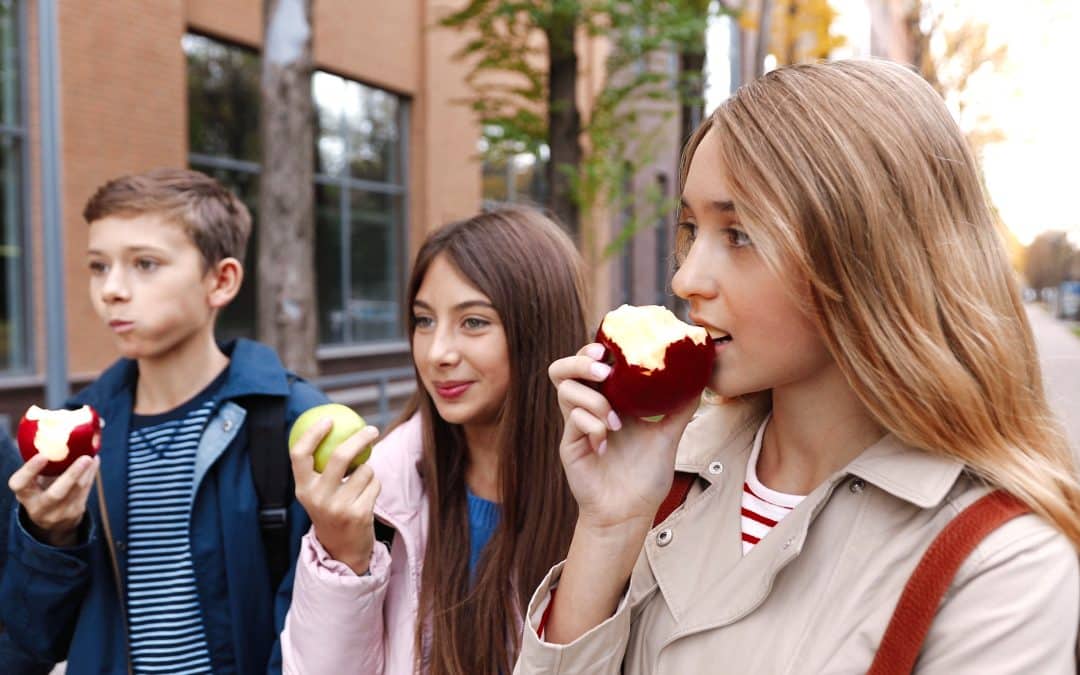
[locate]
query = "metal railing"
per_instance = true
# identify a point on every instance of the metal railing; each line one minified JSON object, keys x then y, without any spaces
{"x":380,"y":379}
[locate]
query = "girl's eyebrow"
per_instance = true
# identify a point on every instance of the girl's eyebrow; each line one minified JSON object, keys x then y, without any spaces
{"x":723,"y":206}
{"x":458,"y":307}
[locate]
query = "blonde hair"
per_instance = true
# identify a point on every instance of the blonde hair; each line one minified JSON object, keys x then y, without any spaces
{"x":853,"y":178}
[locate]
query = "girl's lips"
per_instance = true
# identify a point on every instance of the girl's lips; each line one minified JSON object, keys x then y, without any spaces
{"x":452,"y":390}
{"x":721,"y":344}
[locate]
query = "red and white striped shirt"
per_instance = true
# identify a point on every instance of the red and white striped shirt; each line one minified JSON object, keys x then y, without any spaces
{"x":762,"y":508}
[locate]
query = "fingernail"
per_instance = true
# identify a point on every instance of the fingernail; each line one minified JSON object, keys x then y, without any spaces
{"x":602,"y":448}
{"x":595,"y":352}
{"x":613,"y":421}
{"x":600,"y":370}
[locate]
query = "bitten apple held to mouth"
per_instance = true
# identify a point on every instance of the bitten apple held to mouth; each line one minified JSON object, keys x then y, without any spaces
{"x":62,"y":436}
{"x":658,"y":362}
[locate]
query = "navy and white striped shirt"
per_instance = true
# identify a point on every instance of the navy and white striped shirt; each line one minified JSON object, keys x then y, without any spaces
{"x":165,"y":623}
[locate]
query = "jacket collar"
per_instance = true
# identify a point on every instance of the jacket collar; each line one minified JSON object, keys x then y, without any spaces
{"x":717,"y":434}
{"x":394,"y":460}
{"x":254,"y":369}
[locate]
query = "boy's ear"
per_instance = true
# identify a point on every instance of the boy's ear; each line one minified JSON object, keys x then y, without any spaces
{"x":224,"y":281}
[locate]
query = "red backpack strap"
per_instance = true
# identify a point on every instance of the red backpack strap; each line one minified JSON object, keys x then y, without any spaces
{"x":680,"y":487}
{"x":922,"y":595}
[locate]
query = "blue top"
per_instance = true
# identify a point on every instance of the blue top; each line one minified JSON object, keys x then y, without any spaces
{"x":483,"y":519}
{"x":63,"y":602}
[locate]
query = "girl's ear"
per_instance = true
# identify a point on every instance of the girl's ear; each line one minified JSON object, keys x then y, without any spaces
{"x":223,"y":282}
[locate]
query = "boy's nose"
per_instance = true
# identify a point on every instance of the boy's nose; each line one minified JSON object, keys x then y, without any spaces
{"x":114,"y":288}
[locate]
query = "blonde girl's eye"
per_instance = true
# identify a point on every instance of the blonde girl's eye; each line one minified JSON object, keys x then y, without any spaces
{"x":146,"y":264}
{"x":685,"y":234}
{"x":737,"y":238}
{"x":97,"y":267}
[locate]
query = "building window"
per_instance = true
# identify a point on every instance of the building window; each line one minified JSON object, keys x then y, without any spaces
{"x":14,"y":322}
{"x":360,"y":195}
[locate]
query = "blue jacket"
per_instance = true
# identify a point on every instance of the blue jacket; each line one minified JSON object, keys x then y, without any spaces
{"x":13,"y":660}
{"x":64,"y":603}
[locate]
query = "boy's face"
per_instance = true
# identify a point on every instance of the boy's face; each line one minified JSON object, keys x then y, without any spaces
{"x":149,"y":284}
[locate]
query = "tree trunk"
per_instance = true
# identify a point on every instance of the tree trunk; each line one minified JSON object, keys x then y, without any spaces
{"x":692,"y":73}
{"x":564,"y":120}
{"x":286,"y":287}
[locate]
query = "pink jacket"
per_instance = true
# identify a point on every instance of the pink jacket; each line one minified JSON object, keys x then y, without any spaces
{"x":343,"y":623}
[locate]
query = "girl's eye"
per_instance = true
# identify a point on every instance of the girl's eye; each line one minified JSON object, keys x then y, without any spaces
{"x":146,"y":264}
{"x":685,"y":234}
{"x":422,"y":322}
{"x":737,"y":238}
{"x":97,"y":267}
{"x":476,"y":323}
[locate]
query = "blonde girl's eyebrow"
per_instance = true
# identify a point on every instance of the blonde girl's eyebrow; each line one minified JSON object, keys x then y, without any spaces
{"x":720,"y":205}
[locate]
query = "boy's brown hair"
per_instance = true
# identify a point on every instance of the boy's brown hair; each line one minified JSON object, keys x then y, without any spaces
{"x":214,"y":218}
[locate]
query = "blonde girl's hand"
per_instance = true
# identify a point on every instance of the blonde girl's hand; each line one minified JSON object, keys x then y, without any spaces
{"x":341,"y":507}
{"x":619,"y":470}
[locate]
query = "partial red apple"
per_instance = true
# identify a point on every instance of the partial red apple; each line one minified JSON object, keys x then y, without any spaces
{"x":61,"y":435}
{"x":658,"y":362}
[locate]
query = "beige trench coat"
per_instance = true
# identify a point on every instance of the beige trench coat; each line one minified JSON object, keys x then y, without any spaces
{"x":814,"y":596}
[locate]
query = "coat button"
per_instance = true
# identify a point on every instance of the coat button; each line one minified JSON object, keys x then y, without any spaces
{"x":227,"y":425}
{"x":663,"y":537}
{"x":716,"y":468}
{"x":857,"y":486}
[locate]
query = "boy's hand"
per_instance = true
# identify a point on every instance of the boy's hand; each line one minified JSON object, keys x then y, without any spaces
{"x":55,"y":506}
{"x":341,"y":508}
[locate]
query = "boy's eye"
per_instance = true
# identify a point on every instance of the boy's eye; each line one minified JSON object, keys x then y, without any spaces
{"x":97,"y":267}
{"x":146,"y":264}
{"x":476,"y":323}
{"x":737,"y":238}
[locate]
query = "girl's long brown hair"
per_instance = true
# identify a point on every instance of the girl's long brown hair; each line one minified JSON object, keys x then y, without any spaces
{"x":853,"y":178}
{"x":533,"y":275}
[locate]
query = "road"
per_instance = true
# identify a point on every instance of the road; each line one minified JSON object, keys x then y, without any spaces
{"x":1059,"y":354}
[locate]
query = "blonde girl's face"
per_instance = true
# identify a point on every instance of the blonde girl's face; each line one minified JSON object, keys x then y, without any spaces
{"x":764,"y":338}
{"x":459,"y":346}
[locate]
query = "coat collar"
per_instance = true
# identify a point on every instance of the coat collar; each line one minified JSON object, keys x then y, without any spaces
{"x":704,"y":543}
{"x":720,"y":434}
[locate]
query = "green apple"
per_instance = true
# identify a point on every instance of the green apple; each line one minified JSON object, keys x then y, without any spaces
{"x":346,"y":423}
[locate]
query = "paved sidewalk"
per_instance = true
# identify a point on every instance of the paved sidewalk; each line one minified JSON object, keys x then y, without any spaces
{"x":1059,"y":354}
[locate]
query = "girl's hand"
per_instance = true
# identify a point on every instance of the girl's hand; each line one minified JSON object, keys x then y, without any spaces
{"x":619,"y":470}
{"x":342,"y":508}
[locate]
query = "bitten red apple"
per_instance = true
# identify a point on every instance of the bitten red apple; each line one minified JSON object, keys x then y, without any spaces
{"x":61,"y":435}
{"x":658,"y":362}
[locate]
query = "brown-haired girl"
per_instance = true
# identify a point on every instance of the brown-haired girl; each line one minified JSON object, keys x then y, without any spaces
{"x":470,"y":482}
{"x":875,"y":375}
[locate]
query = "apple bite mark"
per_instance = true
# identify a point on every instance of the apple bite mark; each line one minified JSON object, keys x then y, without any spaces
{"x":62,"y":436}
{"x":658,"y":362}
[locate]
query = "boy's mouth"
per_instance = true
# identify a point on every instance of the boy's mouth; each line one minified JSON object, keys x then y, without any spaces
{"x":119,"y":326}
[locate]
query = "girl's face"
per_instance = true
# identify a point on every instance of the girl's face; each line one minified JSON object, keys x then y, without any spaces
{"x":764,"y":338}
{"x":459,"y":347}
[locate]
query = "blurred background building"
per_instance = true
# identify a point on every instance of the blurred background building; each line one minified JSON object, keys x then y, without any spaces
{"x":424,"y":114}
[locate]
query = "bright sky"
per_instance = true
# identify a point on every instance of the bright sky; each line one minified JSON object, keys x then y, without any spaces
{"x":1032,"y":175}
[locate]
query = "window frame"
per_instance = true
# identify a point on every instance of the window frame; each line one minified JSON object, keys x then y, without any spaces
{"x":346,"y":186}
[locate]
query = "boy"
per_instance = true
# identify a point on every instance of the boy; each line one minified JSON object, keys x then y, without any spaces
{"x":161,"y":565}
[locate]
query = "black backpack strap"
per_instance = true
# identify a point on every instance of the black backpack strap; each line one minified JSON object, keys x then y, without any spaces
{"x":384,"y":533}
{"x":271,"y":470}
